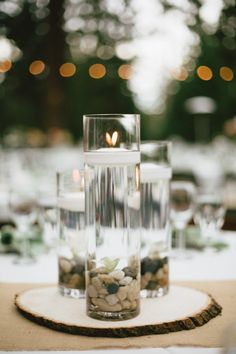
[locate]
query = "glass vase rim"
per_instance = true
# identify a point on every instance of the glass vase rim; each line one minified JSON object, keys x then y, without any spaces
{"x":111,"y":115}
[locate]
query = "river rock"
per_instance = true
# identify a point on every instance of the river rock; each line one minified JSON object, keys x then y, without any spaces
{"x":133,"y":292}
{"x":92,"y":292}
{"x":122,"y":292}
{"x":147,"y":276}
{"x":74,"y":281}
{"x":111,"y":299}
{"x":133,"y":305}
{"x":160,"y":273}
{"x":101,"y":270}
{"x":97,"y":283}
{"x":126,"y":281}
{"x":104,"y":306}
{"x":117,"y":274}
{"x":112,"y":288}
{"x":130,"y":272}
{"x":105,"y":278}
{"x":126,"y":304}
{"x":65,"y":265}
{"x":165,"y":268}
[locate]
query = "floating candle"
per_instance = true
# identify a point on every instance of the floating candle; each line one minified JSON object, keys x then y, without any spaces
{"x":72,"y":201}
{"x":112,"y":156}
{"x":150,"y":172}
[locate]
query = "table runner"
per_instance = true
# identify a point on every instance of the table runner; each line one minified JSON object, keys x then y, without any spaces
{"x":18,"y":333}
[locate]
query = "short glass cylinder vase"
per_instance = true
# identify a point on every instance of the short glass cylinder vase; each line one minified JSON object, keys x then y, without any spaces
{"x":71,"y":227}
{"x":155,"y":219}
{"x":112,"y":200}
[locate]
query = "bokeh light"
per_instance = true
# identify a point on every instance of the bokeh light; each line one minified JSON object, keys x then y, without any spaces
{"x":204,"y":73}
{"x":5,"y":66}
{"x":37,"y":67}
{"x":125,"y":71}
{"x":226,"y":73}
{"x":67,"y":69}
{"x":180,"y":75}
{"x":97,"y":71}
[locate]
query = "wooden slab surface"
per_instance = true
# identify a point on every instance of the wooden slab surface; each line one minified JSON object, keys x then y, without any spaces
{"x":182,"y":309}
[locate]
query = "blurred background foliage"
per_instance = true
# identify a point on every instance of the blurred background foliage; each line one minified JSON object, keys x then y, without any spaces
{"x":61,"y":59}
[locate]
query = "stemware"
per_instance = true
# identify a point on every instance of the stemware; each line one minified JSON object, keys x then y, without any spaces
{"x":23,"y":209}
{"x":182,"y":206}
{"x":209,"y":214}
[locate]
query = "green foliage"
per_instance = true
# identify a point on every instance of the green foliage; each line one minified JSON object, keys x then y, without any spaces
{"x":217,"y":50}
{"x":48,"y":99}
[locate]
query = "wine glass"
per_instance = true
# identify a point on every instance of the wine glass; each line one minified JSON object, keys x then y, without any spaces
{"x":182,"y":206}
{"x":209,"y":214}
{"x":23,"y":209}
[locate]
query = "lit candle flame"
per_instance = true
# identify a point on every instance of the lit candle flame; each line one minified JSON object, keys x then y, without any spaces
{"x":112,"y":140}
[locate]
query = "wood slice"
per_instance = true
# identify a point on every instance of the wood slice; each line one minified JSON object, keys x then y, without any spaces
{"x":181,"y":309}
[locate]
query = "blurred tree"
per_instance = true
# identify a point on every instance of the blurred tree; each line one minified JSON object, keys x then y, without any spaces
{"x":218,"y":53}
{"x":54,"y":32}
{"x":49,"y":33}
{"x":55,"y":54}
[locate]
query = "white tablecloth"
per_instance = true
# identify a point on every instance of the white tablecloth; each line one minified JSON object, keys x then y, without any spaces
{"x":207,"y":265}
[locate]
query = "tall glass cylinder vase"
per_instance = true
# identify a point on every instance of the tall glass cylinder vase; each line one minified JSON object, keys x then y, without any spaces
{"x":112,"y":203}
{"x":155,"y":220}
{"x":71,"y":223}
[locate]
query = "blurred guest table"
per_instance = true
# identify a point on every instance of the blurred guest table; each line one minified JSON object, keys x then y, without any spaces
{"x":217,"y":269}
{"x":203,"y":265}
{"x":208,"y":270}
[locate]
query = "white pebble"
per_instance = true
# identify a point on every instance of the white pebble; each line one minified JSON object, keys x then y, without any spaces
{"x":117,"y":274}
{"x":111,"y":299}
{"x":126,"y":281}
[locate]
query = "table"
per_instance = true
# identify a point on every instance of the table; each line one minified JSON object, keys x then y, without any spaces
{"x":204,"y":266}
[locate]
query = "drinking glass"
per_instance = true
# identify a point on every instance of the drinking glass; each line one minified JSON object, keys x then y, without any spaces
{"x":23,"y":208}
{"x":71,"y":227}
{"x":112,"y":194}
{"x":155,"y":175}
{"x":209,"y":214}
{"x":182,"y":207}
